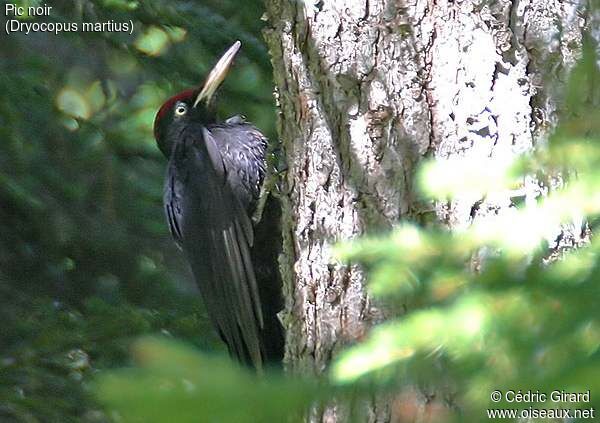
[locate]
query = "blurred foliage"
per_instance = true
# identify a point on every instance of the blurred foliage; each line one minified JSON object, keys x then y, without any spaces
{"x":86,"y":261}
{"x":521,"y":321}
{"x":175,"y":383}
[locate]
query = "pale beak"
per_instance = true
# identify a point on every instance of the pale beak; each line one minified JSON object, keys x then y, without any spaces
{"x":217,"y":74}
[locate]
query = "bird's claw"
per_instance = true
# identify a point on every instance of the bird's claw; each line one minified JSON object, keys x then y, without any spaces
{"x":236,"y":120}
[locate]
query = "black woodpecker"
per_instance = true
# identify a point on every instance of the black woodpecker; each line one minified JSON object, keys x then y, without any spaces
{"x":212,"y":191}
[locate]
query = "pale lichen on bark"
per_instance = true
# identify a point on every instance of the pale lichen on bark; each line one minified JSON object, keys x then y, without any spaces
{"x":365,"y":90}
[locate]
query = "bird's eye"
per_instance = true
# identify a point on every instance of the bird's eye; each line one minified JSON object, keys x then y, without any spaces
{"x":180,"y":109}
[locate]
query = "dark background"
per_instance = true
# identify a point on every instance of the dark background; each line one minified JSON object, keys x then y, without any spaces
{"x":86,"y":260}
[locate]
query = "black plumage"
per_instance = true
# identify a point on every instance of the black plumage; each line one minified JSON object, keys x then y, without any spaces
{"x":212,"y":189}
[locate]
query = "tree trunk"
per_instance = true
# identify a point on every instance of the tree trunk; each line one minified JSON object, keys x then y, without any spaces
{"x":366,"y":89}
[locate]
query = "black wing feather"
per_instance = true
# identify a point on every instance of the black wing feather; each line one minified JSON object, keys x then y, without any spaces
{"x":214,"y":230}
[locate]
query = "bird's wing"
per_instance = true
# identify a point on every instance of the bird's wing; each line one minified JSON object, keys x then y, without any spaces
{"x":173,"y":193}
{"x":243,"y":148}
{"x":216,"y":233}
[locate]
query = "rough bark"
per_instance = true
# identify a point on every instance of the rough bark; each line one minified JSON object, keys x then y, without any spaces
{"x":365,"y":89}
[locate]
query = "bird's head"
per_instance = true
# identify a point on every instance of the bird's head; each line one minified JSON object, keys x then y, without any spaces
{"x":193,"y":105}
